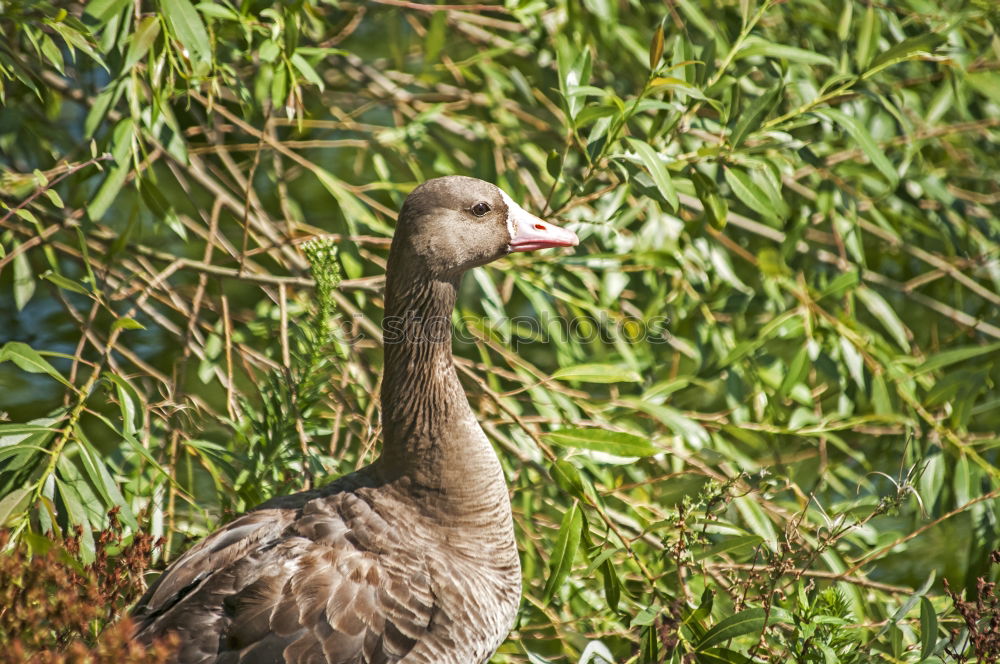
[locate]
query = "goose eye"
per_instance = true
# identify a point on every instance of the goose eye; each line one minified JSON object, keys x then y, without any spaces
{"x":479,"y":209}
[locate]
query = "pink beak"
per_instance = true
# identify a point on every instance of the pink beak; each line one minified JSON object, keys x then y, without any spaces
{"x":528,"y":232}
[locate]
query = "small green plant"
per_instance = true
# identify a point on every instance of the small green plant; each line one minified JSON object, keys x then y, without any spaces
{"x":287,"y":414}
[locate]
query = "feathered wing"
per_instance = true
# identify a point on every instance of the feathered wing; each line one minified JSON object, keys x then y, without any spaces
{"x":329,"y":583}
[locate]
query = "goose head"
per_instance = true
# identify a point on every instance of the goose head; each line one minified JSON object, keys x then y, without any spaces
{"x":451,"y":224}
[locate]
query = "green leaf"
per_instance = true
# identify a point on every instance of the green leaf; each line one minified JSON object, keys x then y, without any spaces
{"x":871,"y":26}
{"x":215,"y":10}
{"x":269,"y":51}
{"x":129,"y":402}
{"x":721,"y":656}
{"x":729,"y":545}
{"x":77,"y":516}
{"x":612,"y":584}
{"x":28,"y":359}
{"x":864,"y":140}
{"x":751,"y":117}
{"x":76,"y":40}
{"x":954,"y":356}
{"x":567,"y":544}
{"x":94,"y":466}
{"x":107,"y":192}
{"x":654,"y":165}
{"x":601,"y":440}
{"x":797,"y":371}
{"x":567,"y":476}
{"x":145,"y":34}
{"x":677,"y":85}
{"x":189,"y":29}
{"x":53,"y":54}
{"x":843,"y":282}
{"x":101,"y":11}
{"x":307,"y":70}
{"x":20,"y":430}
{"x":54,"y":198}
{"x":928,"y":628}
{"x":572,"y":76}
{"x":908,"y":49}
{"x":644,"y":617}
{"x":102,"y":102}
{"x":24,"y":280}
{"x":751,"y":195}
{"x":910,"y":602}
{"x":750,"y":621}
{"x":13,"y":503}
{"x":754,"y":46}
{"x":127,"y":324}
{"x":597,"y":373}
{"x":884,"y":314}
{"x":64,"y":282}
{"x":715,"y":206}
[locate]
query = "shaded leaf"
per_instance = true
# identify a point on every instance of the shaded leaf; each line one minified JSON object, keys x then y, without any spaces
{"x":749,"y":621}
{"x":565,"y":549}
{"x":750,"y":119}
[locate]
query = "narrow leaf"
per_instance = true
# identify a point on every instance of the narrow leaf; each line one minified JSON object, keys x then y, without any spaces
{"x":13,"y":503}
{"x":127,"y":324}
{"x":565,"y":550}
{"x":617,"y":443}
{"x":656,"y":47}
{"x":651,"y":160}
{"x":64,"y":282}
{"x":757,"y":46}
{"x":28,"y":359}
{"x":307,"y":70}
{"x":729,"y":545}
{"x":864,"y":140}
{"x":928,"y":628}
{"x":752,"y":117}
{"x":597,"y":373}
{"x":751,"y":195}
{"x":886,"y":315}
{"x":954,"y":356}
{"x":189,"y":30}
{"x":107,"y":192}
{"x":145,"y":34}
{"x":907,"y":49}
{"x":24,"y":280}
{"x":750,"y":621}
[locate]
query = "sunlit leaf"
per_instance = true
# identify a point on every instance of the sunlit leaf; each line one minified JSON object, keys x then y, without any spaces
{"x":657,"y":170}
{"x":597,"y":373}
{"x":187,"y":25}
{"x":864,"y":140}
{"x":602,"y":440}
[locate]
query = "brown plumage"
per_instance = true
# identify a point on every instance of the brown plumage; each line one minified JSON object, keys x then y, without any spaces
{"x":411,"y":559}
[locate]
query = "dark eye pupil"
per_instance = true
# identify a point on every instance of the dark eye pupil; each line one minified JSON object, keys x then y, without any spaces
{"x":479,"y":209}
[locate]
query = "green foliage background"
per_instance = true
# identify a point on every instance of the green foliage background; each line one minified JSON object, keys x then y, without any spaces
{"x":772,"y":438}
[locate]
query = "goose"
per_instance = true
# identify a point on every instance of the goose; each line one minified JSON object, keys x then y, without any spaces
{"x":412,"y":558}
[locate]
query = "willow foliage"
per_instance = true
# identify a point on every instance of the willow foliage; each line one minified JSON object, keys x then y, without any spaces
{"x":752,"y":418}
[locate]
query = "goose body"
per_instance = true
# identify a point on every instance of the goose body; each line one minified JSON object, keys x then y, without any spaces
{"x":411,"y":559}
